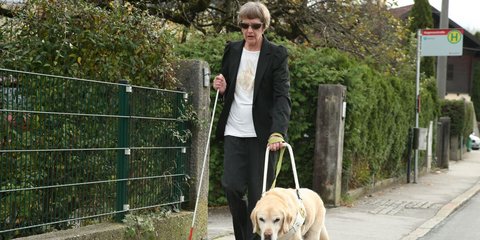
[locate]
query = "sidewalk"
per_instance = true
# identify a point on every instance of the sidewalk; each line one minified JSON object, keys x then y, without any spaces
{"x":400,"y":212}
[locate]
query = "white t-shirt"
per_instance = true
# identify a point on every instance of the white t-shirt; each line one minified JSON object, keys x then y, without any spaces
{"x":240,"y":120}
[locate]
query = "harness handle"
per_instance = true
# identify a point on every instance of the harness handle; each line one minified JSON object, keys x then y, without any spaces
{"x":294,"y":168}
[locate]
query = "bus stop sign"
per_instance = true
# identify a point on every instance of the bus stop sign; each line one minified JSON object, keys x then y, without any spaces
{"x":441,"y":42}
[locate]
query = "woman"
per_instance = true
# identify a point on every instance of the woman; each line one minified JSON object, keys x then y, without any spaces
{"x":254,"y":83}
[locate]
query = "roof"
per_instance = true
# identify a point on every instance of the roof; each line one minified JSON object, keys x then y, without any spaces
{"x":401,"y":12}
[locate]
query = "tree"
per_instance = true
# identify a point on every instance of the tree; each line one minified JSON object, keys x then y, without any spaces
{"x":477,"y":35}
{"x":421,"y":15}
{"x":363,"y":28}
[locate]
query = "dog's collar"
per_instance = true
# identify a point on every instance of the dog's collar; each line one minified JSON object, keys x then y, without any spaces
{"x":300,"y":218}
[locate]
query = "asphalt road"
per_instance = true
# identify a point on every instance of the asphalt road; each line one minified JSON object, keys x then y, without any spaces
{"x":462,"y":224}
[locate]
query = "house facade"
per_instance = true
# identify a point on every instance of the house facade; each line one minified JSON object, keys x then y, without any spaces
{"x":459,"y":68}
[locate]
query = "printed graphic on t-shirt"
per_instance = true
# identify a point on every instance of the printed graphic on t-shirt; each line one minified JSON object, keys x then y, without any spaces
{"x":246,"y":77}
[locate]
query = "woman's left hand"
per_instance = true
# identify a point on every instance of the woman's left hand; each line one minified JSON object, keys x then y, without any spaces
{"x":275,"y":142}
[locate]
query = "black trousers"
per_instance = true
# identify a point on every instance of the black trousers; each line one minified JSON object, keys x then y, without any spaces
{"x":242,"y":180}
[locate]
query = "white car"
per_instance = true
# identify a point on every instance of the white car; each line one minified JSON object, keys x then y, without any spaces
{"x":475,"y":141}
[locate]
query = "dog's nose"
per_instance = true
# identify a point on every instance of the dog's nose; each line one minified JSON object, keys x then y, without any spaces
{"x":267,"y":235}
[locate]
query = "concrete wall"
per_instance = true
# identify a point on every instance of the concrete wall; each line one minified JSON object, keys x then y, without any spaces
{"x":455,"y":148}
{"x":176,"y":226}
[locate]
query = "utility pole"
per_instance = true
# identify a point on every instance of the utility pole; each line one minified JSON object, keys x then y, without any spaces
{"x":442,"y":60}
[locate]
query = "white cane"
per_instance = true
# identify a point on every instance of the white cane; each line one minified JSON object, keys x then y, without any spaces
{"x":203,"y":166}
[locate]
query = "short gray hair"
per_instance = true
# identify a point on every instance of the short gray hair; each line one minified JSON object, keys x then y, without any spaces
{"x":251,"y":10}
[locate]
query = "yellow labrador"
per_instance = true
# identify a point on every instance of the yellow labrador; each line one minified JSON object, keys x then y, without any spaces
{"x":282,"y":214}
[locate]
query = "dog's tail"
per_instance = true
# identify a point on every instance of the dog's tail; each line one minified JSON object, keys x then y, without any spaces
{"x":324,"y":233}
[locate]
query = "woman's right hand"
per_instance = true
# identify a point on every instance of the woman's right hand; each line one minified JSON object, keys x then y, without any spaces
{"x":219,"y":83}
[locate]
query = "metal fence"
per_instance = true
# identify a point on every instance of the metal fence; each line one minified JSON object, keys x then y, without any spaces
{"x":77,"y":151}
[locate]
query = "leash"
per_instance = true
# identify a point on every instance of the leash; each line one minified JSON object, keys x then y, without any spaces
{"x":277,"y":138}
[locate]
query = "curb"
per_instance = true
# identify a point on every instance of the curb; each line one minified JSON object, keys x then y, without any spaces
{"x":443,"y":213}
{"x":357,"y":193}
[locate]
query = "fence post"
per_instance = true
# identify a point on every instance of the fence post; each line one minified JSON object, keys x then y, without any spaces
{"x":430,"y":148}
{"x":195,"y":78}
{"x":181,"y":155}
{"x":123,"y":151}
{"x":327,"y":173}
{"x":443,"y":142}
{"x":409,"y":158}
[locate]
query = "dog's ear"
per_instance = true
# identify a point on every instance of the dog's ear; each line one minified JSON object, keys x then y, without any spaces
{"x":253,"y":218}
{"x":287,"y":222}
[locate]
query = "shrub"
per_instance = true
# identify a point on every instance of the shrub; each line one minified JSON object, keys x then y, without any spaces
{"x":76,"y":39}
{"x":455,"y":109}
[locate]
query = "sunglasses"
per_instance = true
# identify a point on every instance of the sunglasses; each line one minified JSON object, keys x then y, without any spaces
{"x":255,"y":26}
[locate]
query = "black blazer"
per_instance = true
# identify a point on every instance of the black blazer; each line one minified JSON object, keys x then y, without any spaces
{"x":271,"y":98}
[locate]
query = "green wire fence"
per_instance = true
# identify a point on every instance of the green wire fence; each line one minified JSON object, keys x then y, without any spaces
{"x":77,"y":151}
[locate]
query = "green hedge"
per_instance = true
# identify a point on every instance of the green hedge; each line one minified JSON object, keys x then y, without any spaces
{"x":380,"y":111}
{"x":454,"y":109}
{"x":77,"y":39}
{"x":469,"y":111}
{"x":461,"y":117}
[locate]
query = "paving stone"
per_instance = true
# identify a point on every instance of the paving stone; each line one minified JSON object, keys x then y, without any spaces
{"x":392,"y":207}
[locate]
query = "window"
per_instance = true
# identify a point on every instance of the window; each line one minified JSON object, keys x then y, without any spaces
{"x":450,"y":72}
